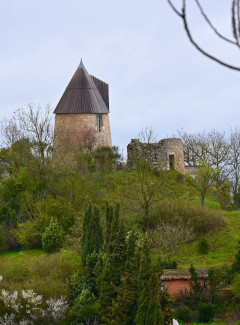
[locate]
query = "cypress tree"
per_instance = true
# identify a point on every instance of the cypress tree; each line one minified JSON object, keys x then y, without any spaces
{"x":125,"y":303}
{"x":236,"y":263}
{"x":109,"y":280}
{"x":149,"y":311}
{"x":92,"y":238}
{"x":109,"y":217}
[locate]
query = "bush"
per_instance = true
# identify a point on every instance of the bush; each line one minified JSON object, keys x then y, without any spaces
{"x":183,"y":314}
{"x":201,"y":219}
{"x":2,"y":241}
{"x":52,"y":239}
{"x":206,"y":312}
{"x":28,"y":236}
{"x":58,"y":208}
{"x":167,"y":265}
{"x":203,"y":246}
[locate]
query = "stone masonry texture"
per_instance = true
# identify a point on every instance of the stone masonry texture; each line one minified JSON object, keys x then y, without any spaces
{"x":163,"y":155}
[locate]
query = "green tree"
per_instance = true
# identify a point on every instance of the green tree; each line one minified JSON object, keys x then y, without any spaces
{"x":109,"y":217}
{"x":106,"y":157}
{"x":125,"y":303}
{"x":110,"y":279}
{"x":149,"y":311}
{"x":197,"y":287}
{"x":92,"y":238}
{"x":52,"y":239}
{"x":236,"y":262}
{"x":204,"y":180}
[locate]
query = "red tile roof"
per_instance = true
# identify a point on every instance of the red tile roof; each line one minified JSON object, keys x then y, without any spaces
{"x":176,"y":274}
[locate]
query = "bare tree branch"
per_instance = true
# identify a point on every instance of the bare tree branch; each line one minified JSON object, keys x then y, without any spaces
{"x":212,"y":26}
{"x":183,"y":16}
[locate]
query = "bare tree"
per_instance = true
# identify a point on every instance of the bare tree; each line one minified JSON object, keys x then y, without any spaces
{"x":32,"y":123}
{"x":147,"y":135}
{"x":235,"y":160}
{"x":170,"y":237}
{"x":212,"y":148}
{"x":235,"y":24}
{"x":205,"y":180}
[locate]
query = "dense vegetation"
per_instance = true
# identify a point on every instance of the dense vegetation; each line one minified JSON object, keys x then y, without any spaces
{"x":85,"y":242}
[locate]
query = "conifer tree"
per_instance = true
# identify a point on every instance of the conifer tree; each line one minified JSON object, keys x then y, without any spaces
{"x":109,"y":217}
{"x":236,"y":263}
{"x":149,"y":310}
{"x":92,"y":238}
{"x":125,"y":303}
{"x":109,"y":280}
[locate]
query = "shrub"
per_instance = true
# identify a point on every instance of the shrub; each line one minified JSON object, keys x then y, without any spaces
{"x":167,"y":265}
{"x":201,"y":219}
{"x":2,"y":241}
{"x":183,"y":313}
{"x":52,"y":239}
{"x":28,"y":236}
{"x":203,"y":246}
{"x":206,"y":312}
{"x":235,"y":287}
{"x":58,"y":208}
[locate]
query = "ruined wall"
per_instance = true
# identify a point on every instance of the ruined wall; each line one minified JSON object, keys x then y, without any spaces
{"x":164,"y":155}
{"x":69,"y":127}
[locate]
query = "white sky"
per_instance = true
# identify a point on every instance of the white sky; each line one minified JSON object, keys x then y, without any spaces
{"x":139,"y":47}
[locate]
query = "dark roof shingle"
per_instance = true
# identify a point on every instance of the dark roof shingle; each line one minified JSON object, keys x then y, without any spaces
{"x":84,"y":95}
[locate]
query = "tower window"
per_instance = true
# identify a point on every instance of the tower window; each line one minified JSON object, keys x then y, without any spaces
{"x":171,"y":162}
{"x":99,"y":123}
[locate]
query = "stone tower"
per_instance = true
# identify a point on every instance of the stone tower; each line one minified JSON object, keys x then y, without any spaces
{"x":164,"y":155}
{"x":82,"y":114}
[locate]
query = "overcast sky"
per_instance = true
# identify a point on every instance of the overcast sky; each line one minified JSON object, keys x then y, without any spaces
{"x":139,"y":47}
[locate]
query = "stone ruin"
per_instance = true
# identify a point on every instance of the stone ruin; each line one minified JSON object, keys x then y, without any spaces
{"x":166,"y":154}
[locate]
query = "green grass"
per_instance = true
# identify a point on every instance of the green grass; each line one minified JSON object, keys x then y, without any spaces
{"x":223,"y":245}
{"x":46,"y":274}
{"x":21,"y":253}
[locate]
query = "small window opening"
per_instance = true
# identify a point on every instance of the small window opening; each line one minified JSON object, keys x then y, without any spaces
{"x":171,"y":162}
{"x":99,"y":123}
{"x":164,"y":286}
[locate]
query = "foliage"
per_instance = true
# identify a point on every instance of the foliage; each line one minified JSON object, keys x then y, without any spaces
{"x":191,"y":215}
{"x":206,"y":312}
{"x":197,"y":287}
{"x":149,"y":309}
{"x":235,"y":287}
{"x":58,"y":208}
{"x":28,"y":235}
{"x":28,"y":307}
{"x":204,"y":181}
{"x":236,"y":262}
{"x":106,"y":158}
{"x":92,"y":238}
{"x":203,"y":246}
{"x":169,"y":238}
{"x":52,"y":239}
{"x":182,"y":313}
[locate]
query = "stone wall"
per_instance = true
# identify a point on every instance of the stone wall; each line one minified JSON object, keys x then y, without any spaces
{"x":69,"y":128}
{"x":164,"y":155}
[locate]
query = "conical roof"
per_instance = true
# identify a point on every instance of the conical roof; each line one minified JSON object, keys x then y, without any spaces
{"x":84,"y":95}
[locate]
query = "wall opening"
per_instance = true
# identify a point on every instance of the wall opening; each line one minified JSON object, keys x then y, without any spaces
{"x":171,"y":162}
{"x":99,"y":123}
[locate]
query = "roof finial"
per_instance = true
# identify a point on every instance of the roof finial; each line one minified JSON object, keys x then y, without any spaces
{"x":81,"y":65}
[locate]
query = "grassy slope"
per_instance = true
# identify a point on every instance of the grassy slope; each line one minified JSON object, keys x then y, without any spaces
{"x":223,"y":245}
{"x":111,"y":187}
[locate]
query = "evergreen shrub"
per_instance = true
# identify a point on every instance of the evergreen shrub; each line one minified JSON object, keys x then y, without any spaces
{"x":52,"y":239}
{"x":183,"y":313}
{"x":203,"y":246}
{"x":206,"y":312}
